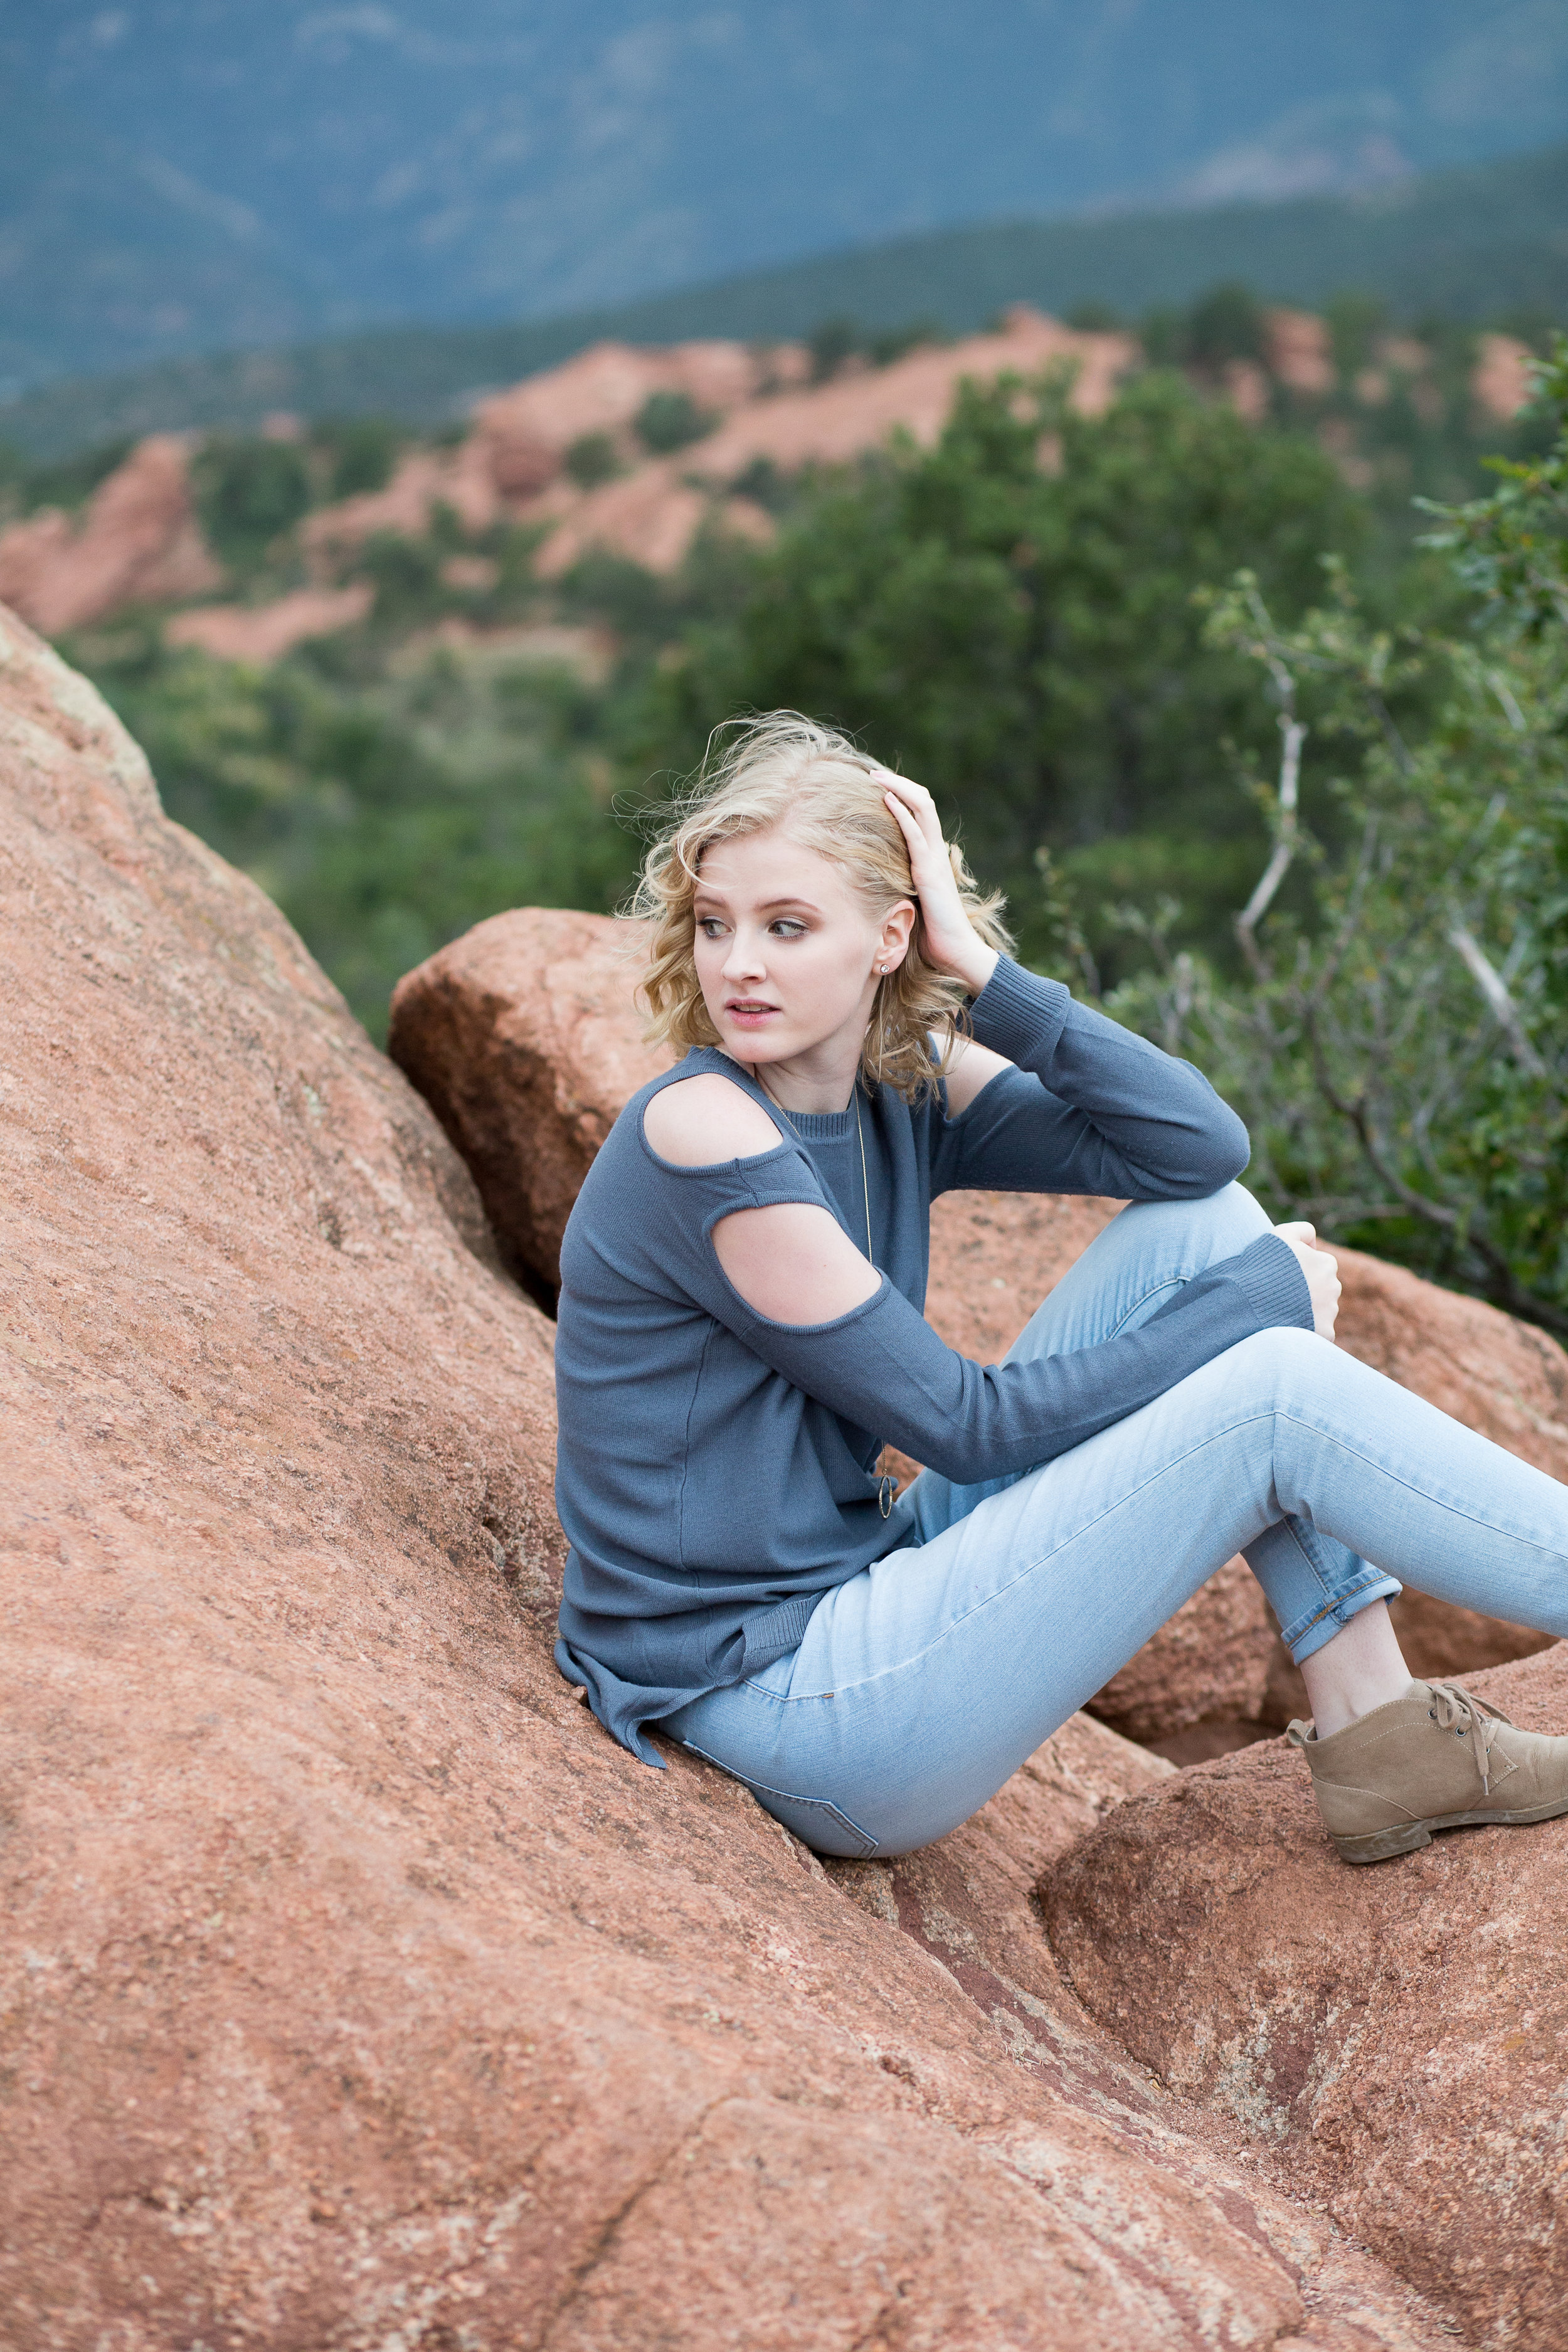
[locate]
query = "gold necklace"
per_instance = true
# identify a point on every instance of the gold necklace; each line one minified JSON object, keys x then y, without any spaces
{"x":887,"y":1485}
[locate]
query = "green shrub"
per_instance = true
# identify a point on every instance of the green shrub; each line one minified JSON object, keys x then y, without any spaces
{"x":1399,"y":1047}
{"x":360,"y":452}
{"x":593,"y":459}
{"x":669,"y":420}
{"x":249,"y":491}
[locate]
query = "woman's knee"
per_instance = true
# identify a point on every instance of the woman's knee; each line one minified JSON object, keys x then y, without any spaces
{"x":1218,"y":1226}
{"x":1285,"y":1364}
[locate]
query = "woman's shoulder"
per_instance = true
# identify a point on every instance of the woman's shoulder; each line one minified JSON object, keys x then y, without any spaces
{"x":702,"y":1112}
{"x":706,"y":1117}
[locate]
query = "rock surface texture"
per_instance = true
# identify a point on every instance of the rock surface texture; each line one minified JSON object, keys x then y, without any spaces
{"x":358,"y":1992}
{"x":1396,"y":2033}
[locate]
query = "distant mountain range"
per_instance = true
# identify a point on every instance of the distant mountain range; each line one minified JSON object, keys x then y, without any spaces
{"x":188,"y":175}
{"x":1488,"y":244}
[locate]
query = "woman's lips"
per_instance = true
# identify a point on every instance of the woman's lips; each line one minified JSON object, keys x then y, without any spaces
{"x":747,"y":1013}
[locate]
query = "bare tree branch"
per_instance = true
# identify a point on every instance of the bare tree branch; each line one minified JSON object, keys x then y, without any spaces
{"x":1506,"y":1013}
{"x":1279,"y":865}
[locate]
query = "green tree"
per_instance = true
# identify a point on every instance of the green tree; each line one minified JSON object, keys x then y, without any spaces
{"x":1009,"y":616}
{"x":387,"y":814}
{"x":592,"y":460}
{"x":1400,"y":1050}
{"x":249,"y":491}
{"x":668,"y":420}
{"x":360,"y":452}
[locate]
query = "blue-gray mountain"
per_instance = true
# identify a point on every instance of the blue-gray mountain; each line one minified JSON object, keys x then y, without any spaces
{"x":184,"y":174}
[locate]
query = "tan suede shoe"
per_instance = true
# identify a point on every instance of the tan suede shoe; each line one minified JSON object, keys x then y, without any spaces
{"x":1438,"y":1758}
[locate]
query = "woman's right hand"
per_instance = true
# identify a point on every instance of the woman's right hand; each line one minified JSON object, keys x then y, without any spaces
{"x":1321,"y":1271}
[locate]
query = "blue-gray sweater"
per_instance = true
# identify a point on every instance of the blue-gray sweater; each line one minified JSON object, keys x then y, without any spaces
{"x":716,"y":1472}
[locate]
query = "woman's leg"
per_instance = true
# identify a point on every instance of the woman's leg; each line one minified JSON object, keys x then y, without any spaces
{"x":924,"y":1682}
{"x":1129,"y":1271}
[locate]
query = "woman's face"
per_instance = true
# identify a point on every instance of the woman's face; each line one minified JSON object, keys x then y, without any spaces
{"x":786,"y":948}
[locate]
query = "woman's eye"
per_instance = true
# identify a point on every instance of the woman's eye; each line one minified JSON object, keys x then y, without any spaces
{"x":787,"y":928}
{"x":710,"y":927}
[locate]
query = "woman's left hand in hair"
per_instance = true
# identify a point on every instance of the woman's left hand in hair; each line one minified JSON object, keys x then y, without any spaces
{"x":947,"y":938}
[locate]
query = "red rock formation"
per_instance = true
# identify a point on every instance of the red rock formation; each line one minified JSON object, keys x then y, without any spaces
{"x":833,"y":423}
{"x":422,"y":480}
{"x":518,"y":444}
{"x":1502,"y":379}
{"x":523,"y":1038}
{"x":260,"y":634}
{"x":1299,"y":350}
{"x":649,"y":517}
{"x":1247,"y":387}
{"x":526,"y":432}
{"x":513,"y":459}
{"x":838,"y":421}
{"x":138,"y":543}
{"x":1395,"y":2035}
{"x":357,"y":1990}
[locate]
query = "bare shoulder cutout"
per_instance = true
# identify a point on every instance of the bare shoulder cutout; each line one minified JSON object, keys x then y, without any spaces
{"x":702,"y":1123}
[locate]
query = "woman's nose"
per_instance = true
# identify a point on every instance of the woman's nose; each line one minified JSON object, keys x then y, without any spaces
{"x":746,"y":958}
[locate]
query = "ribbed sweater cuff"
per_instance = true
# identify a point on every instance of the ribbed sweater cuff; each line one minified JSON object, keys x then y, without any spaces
{"x":1020,"y":1015}
{"x":1270,"y":1274}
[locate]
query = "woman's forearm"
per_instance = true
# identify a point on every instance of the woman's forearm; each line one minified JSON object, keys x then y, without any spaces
{"x":1122,"y":1119}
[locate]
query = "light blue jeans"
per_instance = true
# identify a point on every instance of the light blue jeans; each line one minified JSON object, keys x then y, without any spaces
{"x":923,"y":1683}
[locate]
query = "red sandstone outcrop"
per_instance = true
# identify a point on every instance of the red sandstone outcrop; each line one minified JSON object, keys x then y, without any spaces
{"x":357,"y":1990}
{"x":518,"y":443}
{"x":649,"y":517}
{"x":260,"y":634}
{"x":526,"y":432}
{"x":138,"y":543}
{"x":1502,"y":380}
{"x":1299,"y":350}
{"x":513,"y":459}
{"x":838,"y":421}
{"x":832,"y":423}
{"x":523,"y":1038}
{"x":1395,"y":2033}
{"x":1248,"y":388}
{"x":422,"y":480}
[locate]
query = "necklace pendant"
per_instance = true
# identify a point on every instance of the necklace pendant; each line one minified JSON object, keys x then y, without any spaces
{"x":887,"y":1487}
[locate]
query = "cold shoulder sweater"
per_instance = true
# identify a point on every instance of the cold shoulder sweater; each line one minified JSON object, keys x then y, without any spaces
{"x":717,"y":1470}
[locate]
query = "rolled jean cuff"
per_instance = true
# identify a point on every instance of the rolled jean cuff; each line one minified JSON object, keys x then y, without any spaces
{"x":1332,"y":1616}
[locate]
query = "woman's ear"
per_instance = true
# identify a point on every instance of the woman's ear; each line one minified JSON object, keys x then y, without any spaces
{"x":893,"y":938}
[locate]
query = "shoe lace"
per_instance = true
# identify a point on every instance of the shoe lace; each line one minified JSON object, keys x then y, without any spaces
{"x":1457,"y":1709}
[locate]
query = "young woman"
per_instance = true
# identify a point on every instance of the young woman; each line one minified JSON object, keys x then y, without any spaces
{"x":741,"y":1332}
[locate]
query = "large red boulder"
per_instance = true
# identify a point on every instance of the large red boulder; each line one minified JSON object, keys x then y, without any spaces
{"x":524,"y":1037}
{"x":355,"y":1989}
{"x":1395,"y":2035}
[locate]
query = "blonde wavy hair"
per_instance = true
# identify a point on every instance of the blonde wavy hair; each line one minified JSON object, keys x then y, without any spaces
{"x":781,"y":769}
